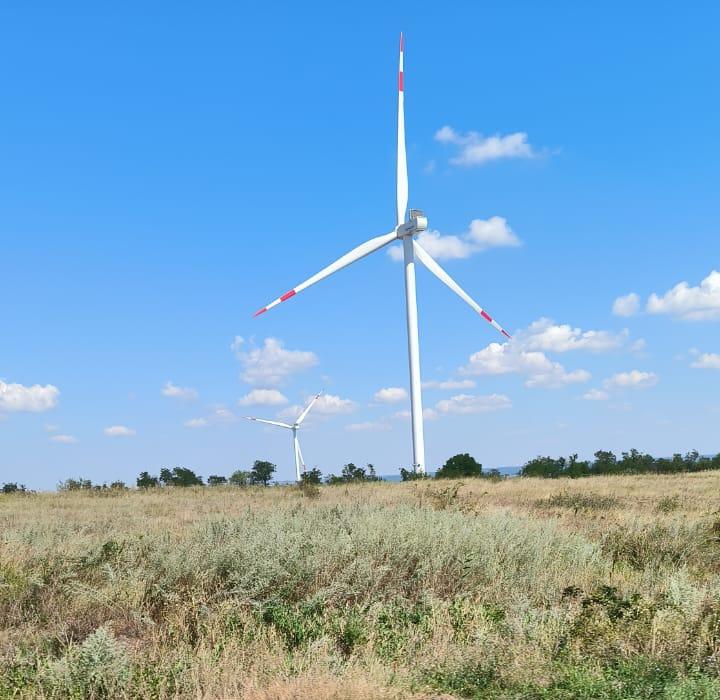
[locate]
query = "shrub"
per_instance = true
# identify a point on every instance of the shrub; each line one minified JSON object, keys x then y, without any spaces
{"x":461,"y":465}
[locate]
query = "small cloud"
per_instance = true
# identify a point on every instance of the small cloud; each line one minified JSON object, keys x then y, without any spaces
{"x":632,"y":379}
{"x":178,"y":392}
{"x":119,"y":431}
{"x":428,"y":414}
{"x":429,"y":167}
{"x":391,"y":394}
{"x":196,"y":423}
{"x":467,"y":403}
{"x":371,"y":426}
{"x":263,"y":397}
{"x":596,"y":395}
{"x":272,"y":363}
{"x":480,"y":236}
{"x":51,"y":428}
{"x":64,"y":439}
{"x":34,"y":399}
{"x":450,"y":384}
{"x":476,"y":149}
{"x":701,"y":303}
{"x":707,"y":360}
{"x":509,"y":358}
{"x":627,"y":305}
{"x":544,"y":334}
{"x":326,"y":405}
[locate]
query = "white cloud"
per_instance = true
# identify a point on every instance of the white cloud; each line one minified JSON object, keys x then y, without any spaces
{"x":428,"y":414}
{"x":476,"y":149}
{"x":371,"y":426}
{"x":467,"y":403}
{"x":548,"y":336}
{"x":701,"y":303}
{"x":596,"y":395}
{"x":627,"y":305}
{"x":119,"y":431}
{"x":326,"y":405}
{"x":263,"y":397}
{"x":450,"y":384}
{"x":391,"y":394}
{"x":178,"y":392}
{"x":707,"y":360}
{"x":481,"y":235}
{"x":64,"y":439}
{"x":509,"y":358}
{"x":272,"y":363}
{"x":196,"y":423}
{"x":35,"y":398}
{"x":632,"y":379}
{"x":51,"y":428}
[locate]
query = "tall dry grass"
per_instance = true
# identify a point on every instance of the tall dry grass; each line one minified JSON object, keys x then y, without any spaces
{"x":601,"y":587}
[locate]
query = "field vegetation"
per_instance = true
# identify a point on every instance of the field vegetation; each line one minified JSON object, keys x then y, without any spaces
{"x":476,"y":588}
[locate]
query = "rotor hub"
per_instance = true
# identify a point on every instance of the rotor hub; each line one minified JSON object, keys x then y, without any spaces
{"x":416,"y":223}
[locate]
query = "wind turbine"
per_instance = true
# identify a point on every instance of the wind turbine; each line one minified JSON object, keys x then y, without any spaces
{"x":405,"y":230}
{"x":299,"y":462}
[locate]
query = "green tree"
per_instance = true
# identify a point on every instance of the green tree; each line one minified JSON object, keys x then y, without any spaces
{"x":313,"y":476}
{"x":75,"y":485}
{"x":13,"y":487}
{"x":216,"y":480}
{"x":261,"y":472}
{"x":460,"y":465}
{"x":240,"y":478}
{"x":545,"y":467}
{"x":146,"y":481}
{"x":180,"y":476}
{"x":409,"y":475}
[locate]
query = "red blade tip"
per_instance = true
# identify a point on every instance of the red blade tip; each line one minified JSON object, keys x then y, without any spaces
{"x":261,"y":311}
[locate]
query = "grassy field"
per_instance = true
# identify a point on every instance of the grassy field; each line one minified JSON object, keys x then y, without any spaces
{"x":606,"y":587}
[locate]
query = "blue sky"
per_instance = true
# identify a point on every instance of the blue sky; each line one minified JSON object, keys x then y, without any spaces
{"x":166,"y":171}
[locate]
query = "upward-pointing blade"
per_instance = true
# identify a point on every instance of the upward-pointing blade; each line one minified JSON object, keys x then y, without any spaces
{"x":301,"y":417}
{"x":402,"y":176}
{"x":355,"y":254}
{"x":443,"y":276}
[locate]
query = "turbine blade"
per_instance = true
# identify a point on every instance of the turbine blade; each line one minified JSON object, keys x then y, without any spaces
{"x":443,"y":276}
{"x":355,"y":254}
{"x":302,"y":461}
{"x":402,"y":175}
{"x":307,"y":408}
{"x":269,"y":422}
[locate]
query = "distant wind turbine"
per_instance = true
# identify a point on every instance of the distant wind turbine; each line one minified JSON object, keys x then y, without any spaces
{"x":299,"y":462}
{"x":406,"y":230}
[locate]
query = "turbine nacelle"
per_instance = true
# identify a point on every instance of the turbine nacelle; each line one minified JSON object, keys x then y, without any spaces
{"x":416,"y":223}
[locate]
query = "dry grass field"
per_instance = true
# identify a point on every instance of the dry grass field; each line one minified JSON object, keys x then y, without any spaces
{"x":604,"y":587}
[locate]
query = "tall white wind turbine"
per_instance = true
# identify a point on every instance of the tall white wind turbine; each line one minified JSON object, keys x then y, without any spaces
{"x":405,"y":230}
{"x":299,"y":462}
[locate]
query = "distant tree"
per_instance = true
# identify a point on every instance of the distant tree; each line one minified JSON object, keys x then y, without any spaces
{"x":146,"y":481}
{"x":605,"y":463}
{"x":180,"y":476}
{"x":118,"y":486}
{"x":313,"y":476}
{"x":370,"y":473}
{"x":461,"y":465}
{"x":13,"y":487}
{"x":240,"y":478}
{"x":545,"y":467}
{"x":409,"y":475}
{"x":576,"y":468}
{"x":75,"y":485}
{"x":216,"y":480}
{"x":261,"y":472}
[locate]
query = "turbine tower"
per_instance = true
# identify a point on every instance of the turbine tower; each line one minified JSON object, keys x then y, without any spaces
{"x":299,"y":462}
{"x":405,"y":230}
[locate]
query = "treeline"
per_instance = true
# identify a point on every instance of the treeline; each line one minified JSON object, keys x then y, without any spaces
{"x":632,"y":462}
